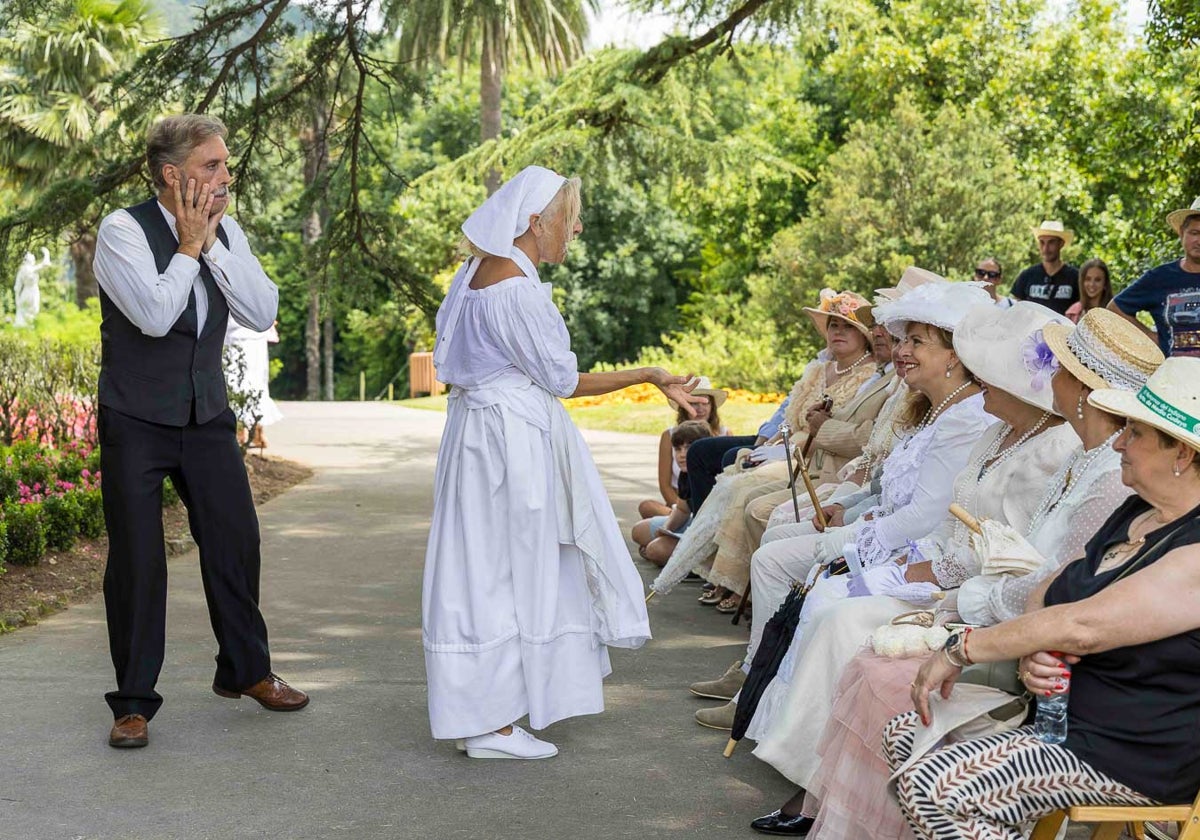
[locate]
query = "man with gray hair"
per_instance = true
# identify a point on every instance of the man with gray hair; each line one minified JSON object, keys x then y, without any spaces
{"x":172,"y":271}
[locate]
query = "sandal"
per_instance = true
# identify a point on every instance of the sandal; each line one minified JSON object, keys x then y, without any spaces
{"x":729,"y":604}
{"x":710,"y":599}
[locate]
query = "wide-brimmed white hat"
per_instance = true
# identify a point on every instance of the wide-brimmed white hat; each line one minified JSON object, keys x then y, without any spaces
{"x":1169,"y":401}
{"x":852,"y":308}
{"x":940,"y":303}
{"x":1176,"y":218}
{"x":1005,"y":349}
{"x":1053,"y":227}
{"x":909,"y":280}
{"x":704,"y":388}
{"x":1105,"y":351}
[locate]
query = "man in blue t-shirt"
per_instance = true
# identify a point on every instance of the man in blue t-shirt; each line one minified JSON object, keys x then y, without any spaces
{"x":1051,"y":282}
{"x":1170,"y":292}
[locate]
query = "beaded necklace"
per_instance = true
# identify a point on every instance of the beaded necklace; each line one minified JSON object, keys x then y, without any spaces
{"x":933,"y":413}
{"x":1067,"y":477}
{"x":837,"y":370}
{"x":987,"y":464}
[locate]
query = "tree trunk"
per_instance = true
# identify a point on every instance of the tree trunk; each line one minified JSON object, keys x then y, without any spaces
{"x":328,"y":354}
{"x":316,"y":159}
{"x":83,"y":252}
{"x":491,"y":81}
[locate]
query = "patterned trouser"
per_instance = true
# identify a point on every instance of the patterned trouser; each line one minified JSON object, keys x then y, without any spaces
{"x":984,"y":789}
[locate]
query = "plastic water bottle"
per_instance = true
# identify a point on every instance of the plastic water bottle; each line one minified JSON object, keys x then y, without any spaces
{"x":1050,"y":725}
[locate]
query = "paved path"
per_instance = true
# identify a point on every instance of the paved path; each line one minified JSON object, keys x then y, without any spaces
{"x":341,"y":592}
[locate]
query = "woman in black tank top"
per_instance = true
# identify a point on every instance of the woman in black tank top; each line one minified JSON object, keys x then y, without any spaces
{"x":1125,"y":617}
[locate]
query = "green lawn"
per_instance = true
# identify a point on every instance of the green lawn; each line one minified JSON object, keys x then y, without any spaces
{"x":742,"y":419}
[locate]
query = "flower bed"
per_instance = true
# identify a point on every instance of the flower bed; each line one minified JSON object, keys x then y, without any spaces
{"x":48,"y":499}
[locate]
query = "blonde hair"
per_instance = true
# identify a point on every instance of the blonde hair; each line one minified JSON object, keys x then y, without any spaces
{"x":917,"y":405}
{"x":564,"y":208}
{"x":171,"y":140}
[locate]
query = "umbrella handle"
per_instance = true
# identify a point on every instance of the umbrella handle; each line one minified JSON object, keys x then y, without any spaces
{"x":730,"y":747}
{"x":965,"y":517}
{"x":651,"y":595}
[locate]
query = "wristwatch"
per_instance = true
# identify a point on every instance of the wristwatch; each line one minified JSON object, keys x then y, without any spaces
{"x":954,"y":649}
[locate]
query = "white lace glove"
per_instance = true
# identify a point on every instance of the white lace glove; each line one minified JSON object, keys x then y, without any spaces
{"x":1003,"y":550}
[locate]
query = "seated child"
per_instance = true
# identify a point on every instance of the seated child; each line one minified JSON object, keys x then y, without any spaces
{"x":657,"y":536}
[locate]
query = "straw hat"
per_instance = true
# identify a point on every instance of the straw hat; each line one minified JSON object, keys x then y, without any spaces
{"x":1169,"y":401}
{"x":1005,"y":348}
{"x":847,"y":306}
{"x":1176,"y":218}
{"x":704,"y":388}
{"x":1053,"y":227}
{"x":909,"y":280}
{"x":1105,"y":351}
{"x":940,"y":303}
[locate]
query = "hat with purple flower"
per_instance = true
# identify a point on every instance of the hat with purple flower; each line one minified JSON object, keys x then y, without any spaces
{"x":1007,"y":350}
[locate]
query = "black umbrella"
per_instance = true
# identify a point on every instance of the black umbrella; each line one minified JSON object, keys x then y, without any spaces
{"x":777,"y":637}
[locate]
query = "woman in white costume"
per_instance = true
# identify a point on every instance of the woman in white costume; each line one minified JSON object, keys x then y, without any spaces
{"x":255,"y":377}
{"x":527,"y":576}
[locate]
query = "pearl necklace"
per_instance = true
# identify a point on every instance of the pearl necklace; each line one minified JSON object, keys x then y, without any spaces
{"x":987,"y":464}
{"x":838,"y":371}
{"x":933,"y":413}
{"x":1068,"y":477}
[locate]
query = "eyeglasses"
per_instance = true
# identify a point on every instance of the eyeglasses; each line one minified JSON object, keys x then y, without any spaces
{"x":990,"y":275}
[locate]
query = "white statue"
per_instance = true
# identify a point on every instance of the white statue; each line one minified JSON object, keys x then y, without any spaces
{"x":26,"y":291}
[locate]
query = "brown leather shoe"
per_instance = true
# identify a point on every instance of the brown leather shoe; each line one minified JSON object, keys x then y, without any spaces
{"x":271,"y":693}
{"x":129,"y":731}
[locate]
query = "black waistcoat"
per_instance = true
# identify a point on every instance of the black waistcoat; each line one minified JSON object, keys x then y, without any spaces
{"x":160,"y":379}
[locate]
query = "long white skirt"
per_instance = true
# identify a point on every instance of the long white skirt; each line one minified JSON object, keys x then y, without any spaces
{"x":508,"y":619}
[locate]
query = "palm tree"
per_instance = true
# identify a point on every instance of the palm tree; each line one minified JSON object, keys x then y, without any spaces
{"x":56,"y":86}
{"x":546,"y":32}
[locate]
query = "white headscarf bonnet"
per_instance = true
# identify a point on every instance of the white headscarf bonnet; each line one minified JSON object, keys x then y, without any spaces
{"x":492,"y":229}
{"x":505,"y":215}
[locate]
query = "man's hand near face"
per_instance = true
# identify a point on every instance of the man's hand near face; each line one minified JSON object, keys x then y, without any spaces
{"x":192,"y":219}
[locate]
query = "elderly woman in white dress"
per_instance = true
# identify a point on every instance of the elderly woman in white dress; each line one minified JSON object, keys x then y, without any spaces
{"x":848,"y":794}
{"x":947,"y":419}
{"x":527,"y":578}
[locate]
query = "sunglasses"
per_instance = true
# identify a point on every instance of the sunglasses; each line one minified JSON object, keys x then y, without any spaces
{"x":991,"y":275}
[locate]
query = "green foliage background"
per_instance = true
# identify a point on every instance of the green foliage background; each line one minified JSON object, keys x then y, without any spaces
{"x":724,"y":186}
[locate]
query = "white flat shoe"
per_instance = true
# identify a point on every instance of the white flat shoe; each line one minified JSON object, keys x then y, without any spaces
{"x":520,"y":744}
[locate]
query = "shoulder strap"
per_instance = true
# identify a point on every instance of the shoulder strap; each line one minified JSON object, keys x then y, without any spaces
{"x":1159,"y":548}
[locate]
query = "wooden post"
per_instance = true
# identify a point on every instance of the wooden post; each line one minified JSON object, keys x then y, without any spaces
{"x":362,"y":385}
{"x":391,"y":392}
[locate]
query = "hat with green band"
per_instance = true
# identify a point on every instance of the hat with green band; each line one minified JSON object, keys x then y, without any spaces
{"x":1169,"y":401}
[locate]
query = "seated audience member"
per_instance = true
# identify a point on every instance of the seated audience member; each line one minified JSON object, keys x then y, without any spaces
{"x":1170,"y":292}
{"x":989,"y":272}
{"x":848,"y":793}
{"x":946,"y":413}
{"x":669,"y":467}
{"x":1004,"y":477}
{"x":1132,"y":666}
{"x":1095,"y":289}
{"x":838,"y":438}
{"x":1051,"y":282}
{"x":845,"y":321}
{"x":656,"y":535}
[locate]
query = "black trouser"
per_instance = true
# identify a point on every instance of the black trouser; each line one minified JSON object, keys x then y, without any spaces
{"x":206,"y":468}
{"x":706,"y":458}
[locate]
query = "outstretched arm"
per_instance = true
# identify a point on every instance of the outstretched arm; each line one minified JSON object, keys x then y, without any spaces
{"x":677,"y":388}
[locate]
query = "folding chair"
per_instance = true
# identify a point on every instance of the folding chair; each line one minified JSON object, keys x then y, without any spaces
{"x":1113,"y":819}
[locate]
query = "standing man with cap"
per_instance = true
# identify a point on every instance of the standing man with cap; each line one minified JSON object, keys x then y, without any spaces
{"x":172,"y":271}
{"x":1170,"y":292}
{"x":1052,"y":283}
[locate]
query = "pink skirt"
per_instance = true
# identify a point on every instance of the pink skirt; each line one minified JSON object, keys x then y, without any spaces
{"x":849,"y":794}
